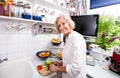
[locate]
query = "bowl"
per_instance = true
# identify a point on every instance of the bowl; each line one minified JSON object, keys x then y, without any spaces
{"x":26,"y":16}
{"x":37,"y":18}
{"x":56,"y":43}
{"x":43,"y":55}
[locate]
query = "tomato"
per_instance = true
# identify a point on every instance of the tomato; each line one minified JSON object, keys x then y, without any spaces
{"x":39,"y":67}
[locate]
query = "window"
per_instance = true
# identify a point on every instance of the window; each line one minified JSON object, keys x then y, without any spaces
{"x":101,"y":3}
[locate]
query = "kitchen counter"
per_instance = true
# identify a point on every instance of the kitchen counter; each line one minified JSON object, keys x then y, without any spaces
{"x":22,"y":68}
{"x":36,"y":61}
{"x":26,"y":68}
{"x":98,"y":72}
{"x":95,"y":71}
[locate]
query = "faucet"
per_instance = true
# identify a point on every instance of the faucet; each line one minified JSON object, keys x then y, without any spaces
{"x":2,"y":60}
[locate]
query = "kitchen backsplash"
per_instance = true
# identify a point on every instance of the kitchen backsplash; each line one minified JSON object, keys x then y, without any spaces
{"x":17,"y":44}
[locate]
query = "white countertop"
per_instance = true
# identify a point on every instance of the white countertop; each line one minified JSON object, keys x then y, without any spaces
{"x":95,"y":71}
{"x":98,"y":72}
{"x":36,"y":61}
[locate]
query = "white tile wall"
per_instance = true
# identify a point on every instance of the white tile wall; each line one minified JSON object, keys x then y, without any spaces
{"x":16,"y":44}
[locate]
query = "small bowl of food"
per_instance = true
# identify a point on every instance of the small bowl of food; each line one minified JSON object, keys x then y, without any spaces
{"x":43,"y":55}
{"x":56,"y":41}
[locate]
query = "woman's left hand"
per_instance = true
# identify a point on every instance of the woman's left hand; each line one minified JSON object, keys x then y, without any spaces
{"x":53,"y":68}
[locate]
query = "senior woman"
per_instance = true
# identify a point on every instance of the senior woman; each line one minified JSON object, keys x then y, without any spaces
{"x":74,"y":52}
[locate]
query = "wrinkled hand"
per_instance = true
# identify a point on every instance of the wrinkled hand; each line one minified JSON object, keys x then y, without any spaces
{"x":53,"y":68}
{"x":57,"y":63}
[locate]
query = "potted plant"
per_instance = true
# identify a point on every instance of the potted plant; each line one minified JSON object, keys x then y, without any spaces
{"x":108,"y":32}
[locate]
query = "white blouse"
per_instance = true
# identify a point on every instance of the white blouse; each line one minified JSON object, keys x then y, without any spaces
{"x":74,"y":55}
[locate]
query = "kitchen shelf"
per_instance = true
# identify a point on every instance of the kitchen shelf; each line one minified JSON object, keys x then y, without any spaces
{"x":51,"y":5}
{"x":41,"y":2}
{"x":26,"y":20}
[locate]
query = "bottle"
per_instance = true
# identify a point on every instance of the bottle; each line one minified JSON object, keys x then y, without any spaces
{"x":8,"y":7}
{"x":40,"y":29}
{"x":43,"y":18}
{"x":19,"y":9}
{"x":12,"y":8}
{"x":2,"y":7}
{"x":44,"y":30}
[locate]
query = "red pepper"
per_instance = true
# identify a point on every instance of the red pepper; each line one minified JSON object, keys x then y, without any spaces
{"x":39,"y":67}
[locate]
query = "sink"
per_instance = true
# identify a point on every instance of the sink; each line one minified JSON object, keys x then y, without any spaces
{"x":18,"y":69}
{"x":24,"y":68}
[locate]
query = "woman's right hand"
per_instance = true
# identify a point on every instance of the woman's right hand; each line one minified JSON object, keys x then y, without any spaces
{"x":53,"y":68}
{"x":57,"y":63}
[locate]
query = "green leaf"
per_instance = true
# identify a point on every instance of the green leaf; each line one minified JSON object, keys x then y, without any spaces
{"x":107,"y":23}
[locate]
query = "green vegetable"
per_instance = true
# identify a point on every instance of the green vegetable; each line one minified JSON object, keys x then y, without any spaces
{"x":48,"y":62}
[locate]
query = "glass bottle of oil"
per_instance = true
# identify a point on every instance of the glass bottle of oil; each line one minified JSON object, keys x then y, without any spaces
{"x":2,"y":7}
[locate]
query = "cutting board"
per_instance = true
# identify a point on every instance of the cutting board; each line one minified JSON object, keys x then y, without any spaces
{"x":43,"y":71}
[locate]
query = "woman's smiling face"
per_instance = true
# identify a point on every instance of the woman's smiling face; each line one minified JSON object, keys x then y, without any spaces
{"x":63,"y":26}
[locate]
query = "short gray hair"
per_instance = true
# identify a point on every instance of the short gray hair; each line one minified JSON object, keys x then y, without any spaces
{"x":67,"y":20}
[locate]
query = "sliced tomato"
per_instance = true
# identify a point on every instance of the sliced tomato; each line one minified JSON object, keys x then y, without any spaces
{"x":39,"y":67}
